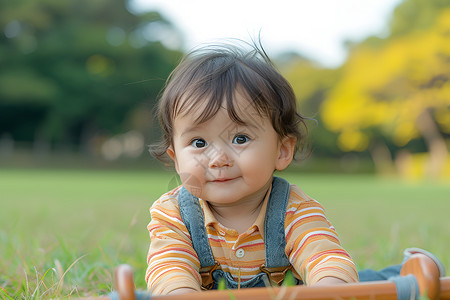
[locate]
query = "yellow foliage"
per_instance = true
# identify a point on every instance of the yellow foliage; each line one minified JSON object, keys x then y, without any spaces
{"x":390,"y":86}
{"x":446,"y":169}
{"x":308,"y":78}
{"x":404,"y":133}
{"x":443,"y":118}
{"x":414,"y":167}
{"x":353,"y":141}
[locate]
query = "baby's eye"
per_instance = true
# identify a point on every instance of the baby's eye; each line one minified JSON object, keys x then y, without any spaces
{"x":240,"y":139}
{"x":198,"y":143}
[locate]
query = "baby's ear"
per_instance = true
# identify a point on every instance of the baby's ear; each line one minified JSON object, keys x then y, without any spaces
{"x":171,"y":152}
{"x":285,"y":152}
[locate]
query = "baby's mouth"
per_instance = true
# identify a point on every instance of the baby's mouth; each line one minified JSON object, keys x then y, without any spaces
{"x":219,"y":180}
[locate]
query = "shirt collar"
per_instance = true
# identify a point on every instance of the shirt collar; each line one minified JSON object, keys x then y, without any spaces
{"x":210,"y":219}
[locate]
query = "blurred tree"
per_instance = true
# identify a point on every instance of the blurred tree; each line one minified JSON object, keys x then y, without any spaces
{"x":413,"y":15}
{"x":74,"y":69}
{"x":311,"y":82}
{"x":398,"y":87}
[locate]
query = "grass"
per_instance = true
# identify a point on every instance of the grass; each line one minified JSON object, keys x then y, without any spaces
{"x":62,"y":232}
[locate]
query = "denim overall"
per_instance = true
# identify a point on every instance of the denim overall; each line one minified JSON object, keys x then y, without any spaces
{"x":276,"y":260}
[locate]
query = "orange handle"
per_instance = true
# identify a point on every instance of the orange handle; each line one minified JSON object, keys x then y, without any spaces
{"x":426,"y":273}
{"x":419,"y":265}
{"x":124,"y":282}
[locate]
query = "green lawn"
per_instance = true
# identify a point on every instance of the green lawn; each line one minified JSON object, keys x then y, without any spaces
{"x":63,"y":231}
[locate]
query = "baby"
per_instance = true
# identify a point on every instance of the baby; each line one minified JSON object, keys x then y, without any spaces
{"x":229,"y":120}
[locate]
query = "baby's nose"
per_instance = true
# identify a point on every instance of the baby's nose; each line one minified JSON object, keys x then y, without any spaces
{"x":221,"y":159}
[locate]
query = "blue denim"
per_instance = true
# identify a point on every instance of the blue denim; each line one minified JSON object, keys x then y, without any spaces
{"x":384,"y":274}
{"x":274,"y":237}
{"x":192,"y":215}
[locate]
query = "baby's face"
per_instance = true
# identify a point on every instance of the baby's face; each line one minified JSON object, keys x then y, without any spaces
{"x":224,"y":162}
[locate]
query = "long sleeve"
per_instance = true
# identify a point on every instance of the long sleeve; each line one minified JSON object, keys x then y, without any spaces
{"x":172,"y":261}
{"x":312,"y":243}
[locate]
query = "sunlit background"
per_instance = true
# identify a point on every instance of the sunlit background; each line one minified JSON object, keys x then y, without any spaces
{"x":79,"y":80}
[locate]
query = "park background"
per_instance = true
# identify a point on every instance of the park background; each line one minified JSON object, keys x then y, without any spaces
{"x":78,"y":85}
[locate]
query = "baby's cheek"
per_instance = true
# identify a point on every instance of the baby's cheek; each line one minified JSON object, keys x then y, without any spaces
{"x":192,"y":183}
{"x":251,"y":164}
{"x":196,"y":168}
{"x":260,"y":165}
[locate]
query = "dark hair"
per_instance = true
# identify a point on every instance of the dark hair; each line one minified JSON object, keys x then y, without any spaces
{"x":214,"y":73}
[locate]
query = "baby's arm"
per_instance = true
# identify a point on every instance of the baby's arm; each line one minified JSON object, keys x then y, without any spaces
{"x":173,"y":265}
{"x":313,"y":245}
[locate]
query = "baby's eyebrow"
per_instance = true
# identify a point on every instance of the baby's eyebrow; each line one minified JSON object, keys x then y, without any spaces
{"x":250,"y":118}
{"x":249,"y":128}
{"x":251,"y":121}
{"x":189,"y":130}
{"x":245,"y":124}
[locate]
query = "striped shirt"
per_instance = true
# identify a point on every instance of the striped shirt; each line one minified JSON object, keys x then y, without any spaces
{"x":312,"y":245}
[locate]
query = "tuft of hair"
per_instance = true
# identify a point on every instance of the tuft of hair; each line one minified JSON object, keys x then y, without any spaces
{"x":209,"y":78}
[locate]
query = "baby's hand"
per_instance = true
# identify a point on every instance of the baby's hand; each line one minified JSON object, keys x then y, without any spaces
{"x":182,"y":291}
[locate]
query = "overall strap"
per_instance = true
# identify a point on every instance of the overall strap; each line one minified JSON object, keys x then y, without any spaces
{"x":277,"y":262}
{"x":192,"y":215}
